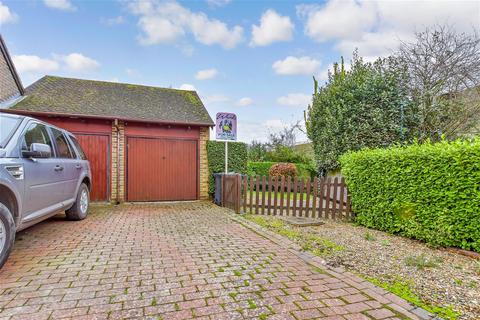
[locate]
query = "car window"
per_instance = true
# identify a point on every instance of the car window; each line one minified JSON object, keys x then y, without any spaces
{"x":70,"y":145}
{"x":36,"y":133}
{"x":77,"y":145}
{"x":63,"y":150}
{"x":7,"y":127}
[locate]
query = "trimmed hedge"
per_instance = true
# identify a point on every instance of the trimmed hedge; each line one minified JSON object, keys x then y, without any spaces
{"x":429,"y":192}
{"x":262,"y":169}
{"x":237,"y":159}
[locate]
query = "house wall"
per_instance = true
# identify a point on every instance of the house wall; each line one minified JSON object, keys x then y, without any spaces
{"x":204,"y":137}
{"x":8,"y":86}
{"x":118,"y":162}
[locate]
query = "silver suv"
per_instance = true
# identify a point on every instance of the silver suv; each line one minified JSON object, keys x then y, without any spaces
{"x":43,"y":170}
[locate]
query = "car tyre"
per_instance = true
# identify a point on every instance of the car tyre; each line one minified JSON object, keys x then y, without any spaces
{"x":79,"y":210}
{"x":7,"y":233}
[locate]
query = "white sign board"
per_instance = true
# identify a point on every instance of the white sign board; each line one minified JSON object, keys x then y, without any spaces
{"x":226,"y":126}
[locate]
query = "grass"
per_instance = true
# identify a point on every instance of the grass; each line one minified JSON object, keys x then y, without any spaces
{"x":403,"y":289}
{"x":308,"y":241}
{"x":422,"y":262}
{"x":369,"y":237}
{"x":251,"y":304}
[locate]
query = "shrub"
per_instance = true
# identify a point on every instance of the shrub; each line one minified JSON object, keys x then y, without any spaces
{"x":259,"y":168}
{"x":262,"y":169}
{"x":237,"y":159}
{"x":283,"y":170}
{"x":424,"y":191}
{"x":364,"y":106}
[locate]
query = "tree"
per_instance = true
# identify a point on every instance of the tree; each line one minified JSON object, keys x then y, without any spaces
{"x":280,"y":148}
{"x":443,"y":69}
{"x":366,"y":106}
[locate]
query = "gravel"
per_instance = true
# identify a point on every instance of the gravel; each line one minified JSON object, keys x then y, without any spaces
{"x":446,"y":279}
{"x":439,"y":277}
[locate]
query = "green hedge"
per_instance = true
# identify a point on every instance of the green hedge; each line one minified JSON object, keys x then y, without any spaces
{"x":237,"y":159}
{"x":261,"y":169}
{"x":429,"y":192}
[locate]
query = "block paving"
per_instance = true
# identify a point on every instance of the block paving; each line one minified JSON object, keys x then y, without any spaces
{"x":177,"y":261}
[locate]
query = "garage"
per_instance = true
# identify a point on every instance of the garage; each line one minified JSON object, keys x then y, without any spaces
{"x":151,"y":161}
{"x":97,"y":149}
{"x":143,"y":143}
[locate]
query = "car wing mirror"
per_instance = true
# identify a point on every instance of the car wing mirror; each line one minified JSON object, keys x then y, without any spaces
{"x":38,"y":150}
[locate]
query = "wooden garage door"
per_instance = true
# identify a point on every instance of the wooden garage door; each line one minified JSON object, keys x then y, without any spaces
{"x":97,"y":149}
{"x":161,"y":169}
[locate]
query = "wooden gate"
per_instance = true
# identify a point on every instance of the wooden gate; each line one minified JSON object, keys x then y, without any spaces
{"x":318,"y":198}
{"x":231,"y":191}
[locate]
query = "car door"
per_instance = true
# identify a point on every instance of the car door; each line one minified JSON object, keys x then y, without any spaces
{"x":67,"y":156}
{"x":43,"y":176}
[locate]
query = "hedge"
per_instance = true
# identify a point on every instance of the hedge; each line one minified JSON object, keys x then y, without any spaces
{"x":262,"y":169}
{"x":237,"y":159}
{"x":429,"y":192}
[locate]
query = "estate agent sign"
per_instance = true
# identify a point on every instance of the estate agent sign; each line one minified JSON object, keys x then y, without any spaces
{"x":226,"y":126}
{"x":226,"y":130}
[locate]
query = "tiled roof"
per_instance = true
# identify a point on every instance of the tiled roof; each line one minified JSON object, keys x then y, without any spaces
{"x":69,"y":96}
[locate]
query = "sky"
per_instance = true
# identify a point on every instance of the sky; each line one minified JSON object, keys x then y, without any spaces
{"x":252,"y":58}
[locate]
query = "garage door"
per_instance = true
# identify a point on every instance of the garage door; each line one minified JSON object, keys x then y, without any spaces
{"x":161,"y":169}
{"x":96,"y":148}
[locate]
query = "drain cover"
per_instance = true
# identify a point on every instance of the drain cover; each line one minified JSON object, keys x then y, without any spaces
{"x":302,"y":222}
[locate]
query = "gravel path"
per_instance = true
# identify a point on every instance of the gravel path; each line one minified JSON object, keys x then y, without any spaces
{"x":437,"y":276}
{"x":449,"y":279}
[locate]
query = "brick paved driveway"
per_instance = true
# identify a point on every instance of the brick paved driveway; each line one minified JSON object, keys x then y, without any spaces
{"x":176,"y":261}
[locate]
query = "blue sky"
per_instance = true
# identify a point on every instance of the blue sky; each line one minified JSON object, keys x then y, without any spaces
{"x":254,"y":58}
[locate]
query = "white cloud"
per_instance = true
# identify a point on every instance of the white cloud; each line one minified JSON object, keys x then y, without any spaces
{"x":273,"y":27}
{"x":34,"y":64}
{"x":65,"y":5}
{"x":243,"y":102}
{"x":376,"y":27}
{"x":188,"y":86}
{"x":77,"y":62}
{"x":337,"y":19}
{"x":296,"y":100}
{"x":218,"y":3}
{"x":114,"y":21}
{"x":293,"y":65}
{"x":206,"y":74}
{"x":164,"y":22}
{"x":6,"y":16}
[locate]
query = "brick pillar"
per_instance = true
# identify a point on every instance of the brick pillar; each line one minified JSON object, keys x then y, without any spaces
{"x":204,"y":137}
{"x":118,"y":176}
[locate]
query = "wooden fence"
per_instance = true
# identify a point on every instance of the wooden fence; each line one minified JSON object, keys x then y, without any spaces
{"x":318,"y":198}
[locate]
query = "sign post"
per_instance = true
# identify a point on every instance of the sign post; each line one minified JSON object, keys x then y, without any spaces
{"x":226,"y":129}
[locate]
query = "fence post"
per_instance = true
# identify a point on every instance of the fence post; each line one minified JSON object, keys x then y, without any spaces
{"x":238,"y":200}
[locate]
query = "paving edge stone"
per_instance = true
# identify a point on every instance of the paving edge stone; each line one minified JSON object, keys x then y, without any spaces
{"x":340,"y":273}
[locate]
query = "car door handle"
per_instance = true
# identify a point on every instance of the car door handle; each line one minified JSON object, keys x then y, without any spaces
{"x":78,"y":166}
{"x":58,"y":168}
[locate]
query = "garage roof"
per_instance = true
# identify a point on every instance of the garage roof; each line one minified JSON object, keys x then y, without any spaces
{"x":68,"y":96}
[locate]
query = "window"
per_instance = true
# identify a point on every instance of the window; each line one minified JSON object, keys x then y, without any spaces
{"x":78,"y":147}
{"x":62,"y":145}
{"x":7,"y":127}
{"x":36,"y":133}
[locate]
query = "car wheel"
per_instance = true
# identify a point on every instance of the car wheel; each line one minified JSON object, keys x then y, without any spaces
{"x":7,"y":233}
{"x":79,"y":209}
